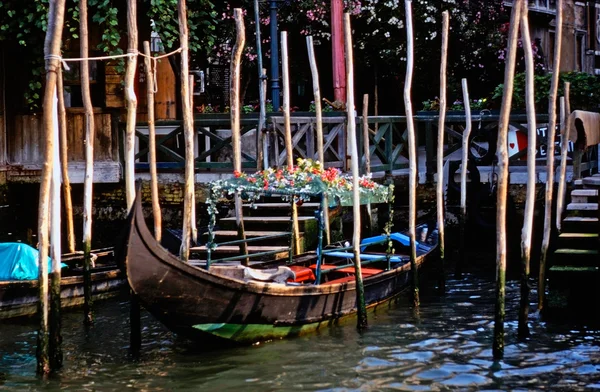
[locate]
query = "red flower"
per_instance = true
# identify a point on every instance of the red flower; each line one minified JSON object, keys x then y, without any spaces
{"x":237,"y":174}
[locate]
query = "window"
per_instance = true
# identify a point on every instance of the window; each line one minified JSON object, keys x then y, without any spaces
{"x":579,"y":50}
{"x":550,"y":51}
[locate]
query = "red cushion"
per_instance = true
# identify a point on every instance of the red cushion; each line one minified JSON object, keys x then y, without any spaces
{"x":302,"y":273}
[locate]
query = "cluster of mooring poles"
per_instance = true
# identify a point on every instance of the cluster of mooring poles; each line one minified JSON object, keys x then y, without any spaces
{"x":519,"y":19}
{"x":49,"y":338}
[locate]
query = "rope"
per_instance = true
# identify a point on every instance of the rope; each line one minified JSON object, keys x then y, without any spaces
{"x":130,"y":53}
{"x":154,"y":60}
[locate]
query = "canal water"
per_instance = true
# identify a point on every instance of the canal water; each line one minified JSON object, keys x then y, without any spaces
{"x":447,"y":346}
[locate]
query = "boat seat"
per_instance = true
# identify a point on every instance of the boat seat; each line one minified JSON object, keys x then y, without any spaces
{"x":302,"y":274}
{"x":348,"y":270}
{"x":345,"y":279}
{"x":363,"y":257}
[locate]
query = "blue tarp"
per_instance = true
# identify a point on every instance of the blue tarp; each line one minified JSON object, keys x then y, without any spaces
{"x":19,"y":261}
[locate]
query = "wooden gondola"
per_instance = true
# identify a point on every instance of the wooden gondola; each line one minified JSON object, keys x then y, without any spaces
{"x":20,"y":297}
{"x":231,"y":301}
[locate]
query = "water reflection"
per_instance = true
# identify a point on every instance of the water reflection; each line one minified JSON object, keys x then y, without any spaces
{"x":446,"y":347}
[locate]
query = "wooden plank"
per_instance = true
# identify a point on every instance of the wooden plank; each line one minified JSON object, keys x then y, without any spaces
{"x":164,"y":103}
{"x":585,"y":192}
{"x":591,"y":181}
{"x":572,"y":268}
{"x":578,"y":235}
{"x":114,"y":101}
{"x":582,"y":207}
{"x":103,"y":138}
{"x":580,"y":219}
{"x":576,"y":251}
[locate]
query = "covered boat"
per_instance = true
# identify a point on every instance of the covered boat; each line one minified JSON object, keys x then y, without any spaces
{"x":19,"y":293}
{"x":203,"y":299}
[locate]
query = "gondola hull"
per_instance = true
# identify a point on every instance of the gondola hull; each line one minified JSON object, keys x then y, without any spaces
{"x":199,"y":304}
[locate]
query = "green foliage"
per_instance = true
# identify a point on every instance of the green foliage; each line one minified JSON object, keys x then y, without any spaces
{"x":584,"y":94}
{"x":325,"y":107}
{"x":202,"y":24}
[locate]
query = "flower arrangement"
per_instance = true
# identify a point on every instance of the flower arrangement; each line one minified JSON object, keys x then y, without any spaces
{"x":307,"y":179}
{"x":301,"y":182}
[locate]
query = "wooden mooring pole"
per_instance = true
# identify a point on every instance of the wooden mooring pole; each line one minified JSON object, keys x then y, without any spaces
{"x":366,"y":152}
{"x":88,"y":182}
{"x":52,"y":57}
{"x":509,"y":73}
{"x":289,"y":148}
{"x":463,"y":177}
{"x":564,"y":145}
{"x":64,"y":152}
{"x":236,"y":142}
{"x":550,"y":158}
{"x":135,"y":336}
{"x":150,"y":91}
{"x":318,"y":123}
{"x":56,"y":355}
{"x":362,"y":321}
{"x":527,"y":232}
{"x":440,"y":148}
{"x":188,"y":131}
{"x":412,"y":153}
{"x":193,"y":219}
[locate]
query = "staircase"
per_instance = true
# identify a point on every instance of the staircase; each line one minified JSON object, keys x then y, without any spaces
{"x":575,"y":267}
{"x":271,"y":217}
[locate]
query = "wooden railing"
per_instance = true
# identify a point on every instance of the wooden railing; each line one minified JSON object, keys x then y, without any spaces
{"x":387,"y":140}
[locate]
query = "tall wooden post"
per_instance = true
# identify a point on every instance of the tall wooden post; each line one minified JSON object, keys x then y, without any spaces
{"x":509,"y":72}
{"x":362,"y":321}
{"x":88,"y":316}
{"x":366,"y":152}
{"x":337,"y":50}
{"x":193,"y":226}
{"x":56,"y":355}
{"x":62,"y":122}
{"x":550,"y":157}
{"x":236,"y":59}
{"x":319,"y":122}
{"x":440,"y":146}
{"x":188,"y":131}
{"x":52,"y":56}
{"x":132,"y":47}
{"x":463,"y":175}
{"x":564,"y":146}
{"x":150,"y":88}
{"x":135,"y":336}
{"x":412,"y":153}
{"x":527,"y":232}
{"x":289,"y":148}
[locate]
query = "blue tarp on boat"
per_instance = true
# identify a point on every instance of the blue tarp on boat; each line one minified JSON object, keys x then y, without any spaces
{"x":19,"y":261}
